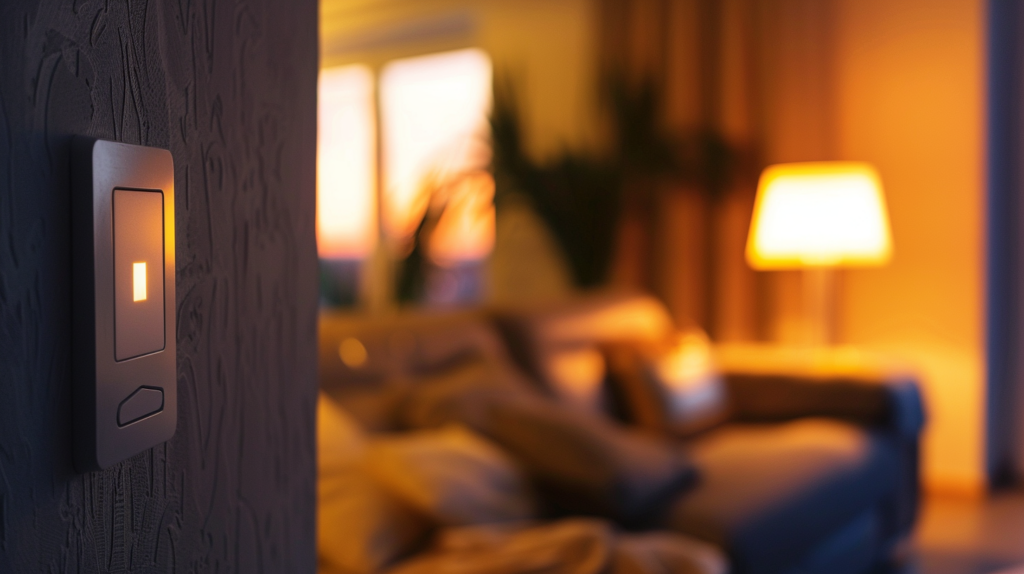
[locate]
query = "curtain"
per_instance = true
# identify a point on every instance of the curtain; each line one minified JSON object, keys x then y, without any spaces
{"x":754,"y":74}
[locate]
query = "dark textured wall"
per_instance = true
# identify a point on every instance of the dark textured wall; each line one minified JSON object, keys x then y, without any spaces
{"x":229,"y":87}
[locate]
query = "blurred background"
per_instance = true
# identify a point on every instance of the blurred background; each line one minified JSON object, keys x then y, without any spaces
{"x":477,"y":153}
{"x":681,"y":103}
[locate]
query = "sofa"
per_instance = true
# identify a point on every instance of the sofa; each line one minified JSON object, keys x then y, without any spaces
{"x":789,"y":471}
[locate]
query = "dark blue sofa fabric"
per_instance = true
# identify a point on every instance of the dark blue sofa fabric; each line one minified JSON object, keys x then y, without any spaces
{"x":890,"y":406}
{"x":854,"y":549}
{"x":886,"y":403}
{"x":771,"y":494}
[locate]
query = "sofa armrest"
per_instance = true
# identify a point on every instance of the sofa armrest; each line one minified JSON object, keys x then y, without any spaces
{"x":892,"y":403}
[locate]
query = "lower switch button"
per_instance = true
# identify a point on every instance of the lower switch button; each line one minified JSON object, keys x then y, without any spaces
{"x":145,"y":401}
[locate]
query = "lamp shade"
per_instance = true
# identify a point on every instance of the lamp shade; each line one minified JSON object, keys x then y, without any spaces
{"x":822,"y":214}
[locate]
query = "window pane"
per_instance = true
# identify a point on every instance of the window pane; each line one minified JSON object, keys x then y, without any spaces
{"x":346,"y":163}
{"x":435,"y":140}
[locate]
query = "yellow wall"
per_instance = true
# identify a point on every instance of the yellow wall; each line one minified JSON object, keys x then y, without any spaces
{"x":910,"y":98}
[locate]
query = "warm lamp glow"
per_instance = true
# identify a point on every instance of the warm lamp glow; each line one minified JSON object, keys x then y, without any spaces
{"x":819,"y":214}
{"x":346,"y":163}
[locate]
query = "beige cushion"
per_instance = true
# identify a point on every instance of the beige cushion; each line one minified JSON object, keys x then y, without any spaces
{"x":380,"y":498}
{"x":361,"y":527}
{"x":339,"y":439}
{"x":451,"y":475}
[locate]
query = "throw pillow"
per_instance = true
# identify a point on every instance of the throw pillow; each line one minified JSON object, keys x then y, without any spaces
{"x":578,"y":461}
{"x":674,"y":388}
{"x":361,"y":527}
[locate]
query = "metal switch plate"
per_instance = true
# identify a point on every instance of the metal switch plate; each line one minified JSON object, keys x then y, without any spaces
{"x":125,"y":387}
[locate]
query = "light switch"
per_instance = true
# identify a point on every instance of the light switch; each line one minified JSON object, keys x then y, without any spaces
{"x":138,"y":273}
{"x":123,"y":301}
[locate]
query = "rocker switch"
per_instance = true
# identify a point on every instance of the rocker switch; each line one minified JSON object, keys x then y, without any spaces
{"x":138,"y":273}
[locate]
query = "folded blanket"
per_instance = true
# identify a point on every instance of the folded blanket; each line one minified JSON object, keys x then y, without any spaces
{"x":573,"y":546}
{"x":381,"y":497}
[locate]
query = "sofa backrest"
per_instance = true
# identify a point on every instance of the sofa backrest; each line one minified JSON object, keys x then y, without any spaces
{"x":593,"y":319}
{"x":359,"y":350}
{"x":587,"y":322}
{"x":559,"y":345}
{"x":366,"y":360}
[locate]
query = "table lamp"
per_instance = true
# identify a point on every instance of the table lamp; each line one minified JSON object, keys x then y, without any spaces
{"x":816,"y":217}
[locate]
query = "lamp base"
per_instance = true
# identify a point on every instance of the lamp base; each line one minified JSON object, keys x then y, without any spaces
{"x":819,"y":301}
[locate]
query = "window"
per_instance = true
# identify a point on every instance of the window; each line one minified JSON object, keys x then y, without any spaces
{"x":435,"y":150}
{"x":346,"y":164}
{"x":434,"y":126}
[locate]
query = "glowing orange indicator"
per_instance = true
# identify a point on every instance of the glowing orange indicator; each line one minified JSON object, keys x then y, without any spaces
{"x":139,"y":281}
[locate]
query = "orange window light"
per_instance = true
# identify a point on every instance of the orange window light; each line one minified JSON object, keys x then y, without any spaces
{"x":435,"y":130}
{"x":346,"y":216}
